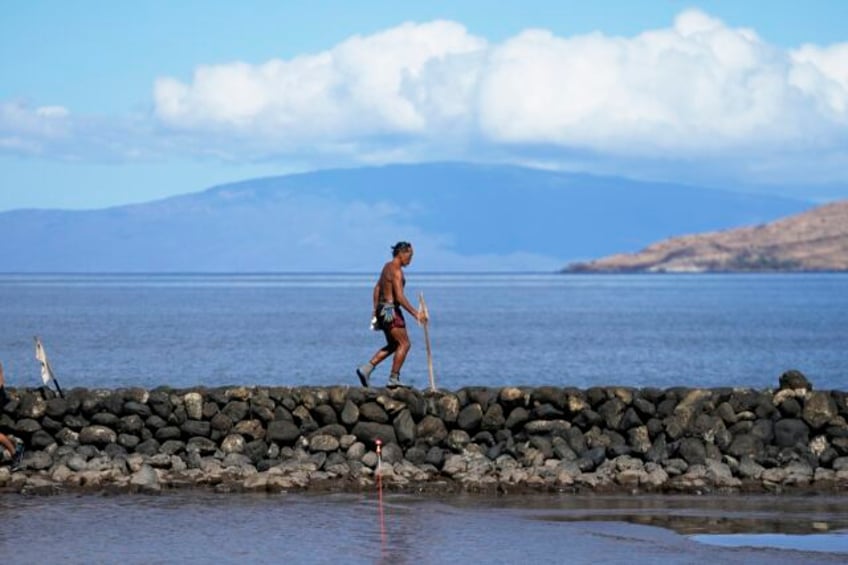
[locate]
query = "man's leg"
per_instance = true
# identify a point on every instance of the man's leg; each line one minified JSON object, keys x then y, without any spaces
{"x":401,"y":337}
{"x":7,"y":444}
{"x":383,"y":353}
{"x":364,"y":371}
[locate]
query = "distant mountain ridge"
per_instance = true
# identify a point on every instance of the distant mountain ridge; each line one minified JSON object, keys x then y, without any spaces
{"x":816,"y":240}
{"x":460,"y":216}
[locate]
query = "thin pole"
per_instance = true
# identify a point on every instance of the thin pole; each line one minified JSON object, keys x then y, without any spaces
{"x":423,"y":308}
{"x":380,"y":493}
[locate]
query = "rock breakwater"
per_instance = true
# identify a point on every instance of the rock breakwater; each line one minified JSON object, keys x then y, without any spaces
{"x":509,"y":439}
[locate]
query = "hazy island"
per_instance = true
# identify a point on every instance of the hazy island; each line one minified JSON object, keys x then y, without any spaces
{"x":816,"y":240}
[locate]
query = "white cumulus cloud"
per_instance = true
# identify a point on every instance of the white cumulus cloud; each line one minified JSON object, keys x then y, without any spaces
{"x":692,"y":98}
{"x":356,"y":89}
{"x":54,"y":132}
{"x":19,"y":121}
{"x":822,"y":74}
{"x":696,"y":87}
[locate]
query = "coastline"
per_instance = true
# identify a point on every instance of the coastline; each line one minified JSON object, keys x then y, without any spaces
{"x":505,"y":440}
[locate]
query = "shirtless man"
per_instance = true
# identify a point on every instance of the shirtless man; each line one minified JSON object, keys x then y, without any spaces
{"x":389,"y":301}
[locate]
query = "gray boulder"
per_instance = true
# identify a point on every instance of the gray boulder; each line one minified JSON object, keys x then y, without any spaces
{"x":283,"y":432}
{"x":146,"y":480}
{"x":470,"y":417}
{"x":196,"y":427}
{"x":370,"y":432}
{"x":431,"y":430}
{"x":790,"y":432}
{"x":692,"y":451}
{"x":373,"y":412}
{"x":745,"y":445}
{"x":819,"y":409}
{"x":793,"y":380}
{"x":405,"y":428}
{"x":350,"y":413}
{"x":493,"y":419}
{"x":97,"y":435}
{"x":517,"y":417}
{"x":324,"y":443}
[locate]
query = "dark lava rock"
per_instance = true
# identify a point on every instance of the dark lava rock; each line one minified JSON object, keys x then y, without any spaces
{"x":222,"y":422}
{"x":612,"y":412}
{"x":369,"y":432}
{"x":282,"y":432}
{"x":56,"y":408}
{"x":790,"y":432}
{"x":470,"y":417}
{"x":416,"y":455}
{"x":745,"y":444}
{"x":196,"y":428}
{"x":168,"y":432}
{"x":137,"y":408}
{"x":630,"y":420}
{"x":658,"y":451}
{"x":257,"y":450}
{"x":435,"y":456}
{"x":149,"y":447}
{"x":517,"y":417}
{"x":350,"y":413}
{"x":325,"y":415}
{"x":493,"y":419}
{"x":794,"y":379}
{"x":392,"y":453}
{"x":373,"y":412}
{"x":790,"y":408}
{"x":105,"y":419}
{"x":644,"y":407}
{"x":431,"y":430}
{"x":819,"y":409}
{"x":404,"y":427}
{"x":692,"y":451}
{"x":236,"y":410}
{"x":97,"y":435}
{"x":576,"y":440}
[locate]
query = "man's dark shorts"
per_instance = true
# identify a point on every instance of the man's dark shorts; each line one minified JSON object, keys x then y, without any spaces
{"x":397,"y":321}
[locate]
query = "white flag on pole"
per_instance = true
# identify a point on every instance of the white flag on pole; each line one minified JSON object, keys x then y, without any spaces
{"x":46,"y":370}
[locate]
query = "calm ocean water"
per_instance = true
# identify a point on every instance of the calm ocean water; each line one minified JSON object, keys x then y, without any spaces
{"x":496,"y":330}
{"x":146,"y":330}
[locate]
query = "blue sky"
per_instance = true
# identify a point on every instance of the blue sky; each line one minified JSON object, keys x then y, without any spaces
{"x":104,"y":103}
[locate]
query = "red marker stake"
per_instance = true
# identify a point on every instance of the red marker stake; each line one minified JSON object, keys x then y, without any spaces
{"x":380,"y":491}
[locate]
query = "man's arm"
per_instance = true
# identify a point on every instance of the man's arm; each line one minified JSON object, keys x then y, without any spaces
{"x":376,"y":295}
{"x":4,"y":398}
{"x":400,"y":297}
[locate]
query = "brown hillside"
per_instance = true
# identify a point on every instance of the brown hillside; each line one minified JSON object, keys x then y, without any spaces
{"x":816,"y":240}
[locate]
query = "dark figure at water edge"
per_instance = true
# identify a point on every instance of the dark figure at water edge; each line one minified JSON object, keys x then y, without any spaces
{"x":388,"y":301}
{"x":14,"y":450}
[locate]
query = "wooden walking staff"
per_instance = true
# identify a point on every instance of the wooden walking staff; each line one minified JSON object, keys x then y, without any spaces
{"x":422,"y":307}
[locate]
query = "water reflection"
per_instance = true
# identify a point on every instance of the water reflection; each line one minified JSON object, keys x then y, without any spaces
{"x":200,"y":527}
{"x":715,"y":514}
{"x":834,"y":542}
